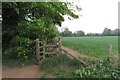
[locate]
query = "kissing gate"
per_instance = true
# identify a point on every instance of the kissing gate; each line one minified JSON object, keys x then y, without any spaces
{"x":47,"y":49}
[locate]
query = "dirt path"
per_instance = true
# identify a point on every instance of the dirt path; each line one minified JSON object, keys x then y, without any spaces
{"x":31,"y":71}
{"x":78,"y":54}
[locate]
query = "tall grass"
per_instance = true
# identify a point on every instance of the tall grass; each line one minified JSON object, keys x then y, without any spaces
{"x":63,"y":66}
{"x":18,"y":62}
{"x":61,"y":59}
{"x":92,"y":46}
{"x":60,"y":66}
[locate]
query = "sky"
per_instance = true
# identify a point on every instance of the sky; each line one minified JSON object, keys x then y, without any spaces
{"x":96,"y":15}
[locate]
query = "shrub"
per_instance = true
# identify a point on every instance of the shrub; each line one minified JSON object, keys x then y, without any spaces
{"x":17,"y":52}
{"x":102,"y":69}
{"x":19,"y":62}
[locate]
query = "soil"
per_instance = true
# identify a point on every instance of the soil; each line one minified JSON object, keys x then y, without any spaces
{"x":31,"y":71}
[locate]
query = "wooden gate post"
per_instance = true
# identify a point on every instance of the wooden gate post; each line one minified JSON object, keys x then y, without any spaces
{"x":60,"y":44}
{"x":110,"y":50}
{"x":55,"y":43}
{"x":44,"y":44}
{"x":37,"y":49}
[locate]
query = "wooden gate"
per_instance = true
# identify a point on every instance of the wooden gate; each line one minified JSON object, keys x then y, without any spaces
{"x":48,"y":49}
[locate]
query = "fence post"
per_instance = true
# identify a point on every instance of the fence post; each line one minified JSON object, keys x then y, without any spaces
{"x":110,"y":50}
{"x":55,"y":43}
{"x":44,"y":48}
{"x":37,"y":49}
{"x":60,"y":44}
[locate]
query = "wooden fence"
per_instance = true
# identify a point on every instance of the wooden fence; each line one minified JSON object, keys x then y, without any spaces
{"x":47,"y":50}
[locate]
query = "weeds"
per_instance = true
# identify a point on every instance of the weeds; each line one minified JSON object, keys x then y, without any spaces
{"x":64,"y":67}
{"x":61,"y":66}
{"x":18,"y":62}
{"x":61,"y":59}
{"x":101,"y":69}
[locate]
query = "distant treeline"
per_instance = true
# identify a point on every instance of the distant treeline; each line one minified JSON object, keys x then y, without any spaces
{"x":106,"y":32}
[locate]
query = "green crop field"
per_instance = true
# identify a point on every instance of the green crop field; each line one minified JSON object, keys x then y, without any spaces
{"x":92,"y":46}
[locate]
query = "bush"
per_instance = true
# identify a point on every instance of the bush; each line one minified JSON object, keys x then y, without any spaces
{"x":18,"y":62}
{"x":102,"y":69}
{"x":17,"y":52}
{"x":64,"y":66}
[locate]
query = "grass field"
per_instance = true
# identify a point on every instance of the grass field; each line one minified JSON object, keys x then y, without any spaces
{"x":92,"y":46}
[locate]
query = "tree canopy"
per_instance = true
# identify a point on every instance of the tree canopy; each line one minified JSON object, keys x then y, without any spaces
{"x":106,"y":31}
{"x":109,"y":32}
{"x":23,"y":22}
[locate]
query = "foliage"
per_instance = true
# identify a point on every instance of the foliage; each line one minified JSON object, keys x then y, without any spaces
{"x":59,"y":72}
{"x":62,"y":72}
{"x":64,"y":67}
{"x":66,"y":33}
{"x":18,"y":62}
{"x":16,"y":52}
{"x":106,"y":31}
{"x":92,"y":46}
{"x":60,"y":66}
{"x":61,"y":59}
{"x":79,"y":33}
{"x":102,"y":69}
{"x":109,"y":32}
{"x":23,"y":22}
{"x":93,"y":34}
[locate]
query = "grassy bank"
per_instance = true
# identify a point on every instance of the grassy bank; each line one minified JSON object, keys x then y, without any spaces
{"x":63,"y":66}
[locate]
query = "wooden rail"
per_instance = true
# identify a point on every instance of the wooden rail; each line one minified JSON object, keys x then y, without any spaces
{"x":41,"y":51}
{"x":75,"y":57}
{"x":47,"y":49}
{"x":52,"y":46}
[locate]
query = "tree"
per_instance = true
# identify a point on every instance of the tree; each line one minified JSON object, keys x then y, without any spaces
{"x":23,"y":22}
{"x":66,"y":33}
{"x":107,"y":32}
{"x":79,"y":33}
{"x":90,"y":34}
{"x":115,"y":32}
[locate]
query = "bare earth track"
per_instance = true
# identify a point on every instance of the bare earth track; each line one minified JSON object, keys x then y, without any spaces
{"x":31,"y":71}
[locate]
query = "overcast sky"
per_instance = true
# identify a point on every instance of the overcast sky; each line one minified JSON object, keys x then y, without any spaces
{"x":97,"y":14}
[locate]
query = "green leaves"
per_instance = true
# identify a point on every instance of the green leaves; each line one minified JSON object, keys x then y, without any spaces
{"x":101,"y":69}
{"x":22,"y":41}
{"x":17,"y":52}
{"x":23,"y":22}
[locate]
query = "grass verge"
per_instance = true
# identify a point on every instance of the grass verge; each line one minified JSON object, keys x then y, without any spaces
{"x":60,"y":66}
{"x":18,"y":62}
{"x":63,"y":66}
